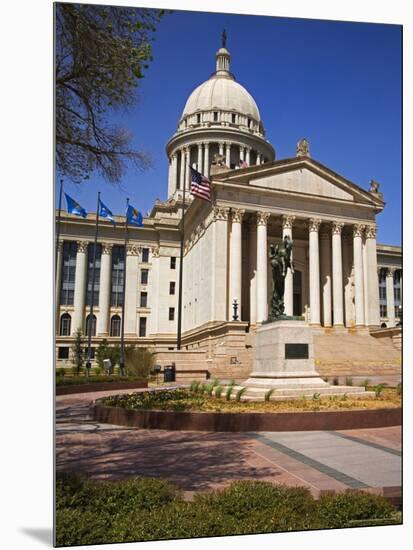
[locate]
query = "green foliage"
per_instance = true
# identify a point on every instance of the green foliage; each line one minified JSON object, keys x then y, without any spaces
{"x":106,"y":351}
{"x":218,"y":392}
{"x":75,"y":380}
{"x":101,"y":54}
{"x":339,"y":510}
{"x":316,"y":396}
{"x":349,"y":381}
{"x":215,"y":382}
{"x":93,"y":512}
{"x":194,"y":386}
{"x":267,"y":396}
{"x":209,"y":388}
{"x":378,"y":390}
{"x":139,"y":361}
{"x":399,"y":388}
{"x":176,"y":400}
{"x":97,"y":371}
{"x":202,"y":389}
{"x":239,"y":394}
{"x":60,"y":372}
{"x":366,"y":383}
{"x":78,"y":352}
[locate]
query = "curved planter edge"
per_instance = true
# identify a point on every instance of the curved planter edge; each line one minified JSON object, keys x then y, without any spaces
{"x":248,"y":422}
{"x":101,"y":386}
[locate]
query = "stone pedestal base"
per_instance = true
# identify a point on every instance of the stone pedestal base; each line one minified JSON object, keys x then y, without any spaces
{"x":284,"y":363}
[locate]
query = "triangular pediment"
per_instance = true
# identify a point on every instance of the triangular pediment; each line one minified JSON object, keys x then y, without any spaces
{"x":302,"y":176}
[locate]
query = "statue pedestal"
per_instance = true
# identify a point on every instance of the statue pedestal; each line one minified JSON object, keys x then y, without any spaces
{"x":284,"y":363}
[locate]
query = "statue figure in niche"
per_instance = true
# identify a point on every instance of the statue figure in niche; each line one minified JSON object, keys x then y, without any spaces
{"x":280,"y":260}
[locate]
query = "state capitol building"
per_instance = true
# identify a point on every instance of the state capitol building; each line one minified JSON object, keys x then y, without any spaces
{"x":346,"y":286}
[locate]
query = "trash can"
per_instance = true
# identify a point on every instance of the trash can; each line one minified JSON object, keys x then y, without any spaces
{"x":169,"y":373}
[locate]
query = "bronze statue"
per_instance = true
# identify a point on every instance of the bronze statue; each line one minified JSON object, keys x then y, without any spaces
{"x":280,"y":259}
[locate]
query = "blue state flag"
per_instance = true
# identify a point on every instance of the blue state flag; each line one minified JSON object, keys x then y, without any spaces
{"x":133,"y":216}
{"x":104,"y":212}
{"x":73,"y":207}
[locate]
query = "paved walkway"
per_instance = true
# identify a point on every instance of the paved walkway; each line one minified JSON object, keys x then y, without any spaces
{"x":367,"y":459}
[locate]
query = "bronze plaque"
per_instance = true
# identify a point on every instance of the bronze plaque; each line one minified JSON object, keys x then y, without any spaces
{"x":296,"y":351}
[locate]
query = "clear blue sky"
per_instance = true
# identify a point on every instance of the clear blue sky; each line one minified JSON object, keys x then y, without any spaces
{"x":336,"y":83}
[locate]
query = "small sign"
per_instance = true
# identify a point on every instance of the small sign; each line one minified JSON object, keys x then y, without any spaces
{"x":296,"y":351}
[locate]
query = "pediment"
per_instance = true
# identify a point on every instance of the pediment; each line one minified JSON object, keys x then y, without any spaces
{"x":302,"y":176}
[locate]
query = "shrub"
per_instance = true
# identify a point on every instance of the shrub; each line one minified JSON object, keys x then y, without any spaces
{"x":60,"y":372}
{"x":202,"y":389}
{"x":267,"y":396}
{"x":78,"y":353}
{"x":218,"y":392}
{"x":139,"y":361}
{"x":194,"y":386}
{"x":340,"y":509}
{"x":209,"y":388}
{"x":378,"y":390}
{"x":365,"y":383}
{"x":97,"y":371}
{"x":239,"y":393}
{"x":229,"y":392}
{"x":215,"y":382}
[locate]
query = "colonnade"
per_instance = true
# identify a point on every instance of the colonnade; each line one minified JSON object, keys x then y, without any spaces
{"x":179,"y":175}
{"x":329,"y":281}
{"x":390,"y":298}
{"x":79,"y":310}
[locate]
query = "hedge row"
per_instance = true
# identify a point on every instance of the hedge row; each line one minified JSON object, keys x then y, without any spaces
{"x":143,"y":509}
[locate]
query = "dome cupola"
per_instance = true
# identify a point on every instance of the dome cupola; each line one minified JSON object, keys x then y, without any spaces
{"x":220,"y":118}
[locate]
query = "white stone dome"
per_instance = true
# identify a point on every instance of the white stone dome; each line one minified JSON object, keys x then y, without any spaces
{"x":221,"y":93}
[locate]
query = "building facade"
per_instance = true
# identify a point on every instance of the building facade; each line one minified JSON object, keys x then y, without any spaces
{"x":343,"y":280}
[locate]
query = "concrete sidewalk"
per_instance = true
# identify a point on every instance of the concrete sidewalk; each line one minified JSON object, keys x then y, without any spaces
{"x":198,"y":461}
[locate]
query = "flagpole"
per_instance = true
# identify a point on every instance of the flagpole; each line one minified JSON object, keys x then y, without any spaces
{"x":58,"y":225}
{"x":181,"y":269}
{"x":122,"y":322}
{"x":92,"y":298}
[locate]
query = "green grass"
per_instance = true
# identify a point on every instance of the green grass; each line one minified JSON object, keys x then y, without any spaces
{"x":75,"y":380}
{"x":144,"y":509}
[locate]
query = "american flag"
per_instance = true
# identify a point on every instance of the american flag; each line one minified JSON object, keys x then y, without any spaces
{"x":200,"y":185}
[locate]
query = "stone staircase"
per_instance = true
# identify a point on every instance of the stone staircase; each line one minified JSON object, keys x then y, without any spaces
{"x":349,"y":353}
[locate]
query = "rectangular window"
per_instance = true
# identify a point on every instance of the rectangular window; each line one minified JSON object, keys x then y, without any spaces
{"x":118,"y":265}
{"x":383,"y":310}
{"x":63,"y":353}
{"x":142,"y":326}
{"x":396,"y":311}
{"x":397,"y":295}
{"x":144,"y":299}
{"x":172,"y":287}
{"x":145,"y":255}
{"x":215,"y":116}
{"x":144,"y":276}
{"x":90,"y":274}
{"x":67,"y":289}
{"x":382,"y":292}
{"x":198,"y":118}
{"x":173,"y":262}
{"x":233,"y":118}
{"x":171,"y":313}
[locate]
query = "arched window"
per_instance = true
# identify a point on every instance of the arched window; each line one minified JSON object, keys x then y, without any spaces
{"x":115,"y":324}
{"x":65,"y":324}
{"x":93,"y":326}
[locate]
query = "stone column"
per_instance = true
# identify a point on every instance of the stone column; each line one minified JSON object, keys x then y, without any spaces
{"x":337,"y":274}
{"x":241,"y":152}
{"x":187,"y":160}
{"x":248,"y":157}
{"x":235,"y":261}
{"x":221,"y":147}
{"x":206,"y":159}
{"x":80,"y":287}
{"x":252,"y":259}
{"x":372,"y":288}
{"x":131,"y":289}
{"x":58,"y":284}
{"x":314,"y":274}
{"x":358,"y":273}
{"x":182,"y":171}
{"x":258,"y":158}
{"x":199,"y":165}
{"x":347,"y":281}
{"x":326,"y":278}
{"x":287,"y":225}
{"x":174,"y":184}
{"x":228,"y":154}
{"x":390,"y":296}
{"x":104,"y":290}
{"x":262,"y":264}
{"x":219,"y":297}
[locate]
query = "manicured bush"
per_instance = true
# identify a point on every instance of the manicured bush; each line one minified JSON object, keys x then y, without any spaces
{"x":341,"y":509}
{"x":75,"y":380}
{"x":144,"y":509}
{"x":139,"y":361}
